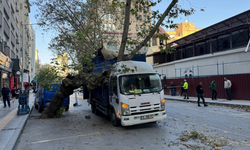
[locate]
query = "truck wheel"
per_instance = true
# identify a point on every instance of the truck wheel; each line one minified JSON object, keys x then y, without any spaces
{"x":114,"y":119}
{"x":40,"y":107}
{"x":67,"y":108}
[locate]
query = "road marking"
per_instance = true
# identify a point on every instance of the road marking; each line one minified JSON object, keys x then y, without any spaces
{"x":43,"y":141}
{"x":7,"y":118}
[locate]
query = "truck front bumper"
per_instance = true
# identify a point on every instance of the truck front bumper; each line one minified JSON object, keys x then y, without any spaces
{"x":143,"y":118}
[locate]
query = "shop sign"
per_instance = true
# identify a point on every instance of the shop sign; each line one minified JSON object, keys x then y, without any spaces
{"x":8,"y":62}
{"x":2,"y":59}
{"x":25,"y":77}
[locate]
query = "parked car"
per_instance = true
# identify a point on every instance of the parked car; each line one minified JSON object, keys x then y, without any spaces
{"x":44,"y":96}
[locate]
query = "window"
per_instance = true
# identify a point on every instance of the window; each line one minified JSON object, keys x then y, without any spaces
{"x":105,"y":26}
{"x":161,"y":42}
{"x":149,"y":43}
{"x":139,"y":84}
{"x":144,"y":18}
{"x":110,"y":27}
{"x":140,"y":18}
{"x":113,"y":17}
{"x":144,"y":9}
{"x":148,"y":19}
{"x":137,"y":18}
{"x":113,"y":27}
{"x":110,"y":17}
{"x":5,"y":15}
{"x":113,"y":86}
{"x":154,"y":42}
{"x":105,"y":17}
{"x":137,"y":28}
{"x":122,"y":27}
{"x":148,"y":9}
{"x":112,"y":46}
{"x":140,"y":9}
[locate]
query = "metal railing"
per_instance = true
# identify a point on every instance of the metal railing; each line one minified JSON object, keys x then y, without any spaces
{"x":229,"y":68}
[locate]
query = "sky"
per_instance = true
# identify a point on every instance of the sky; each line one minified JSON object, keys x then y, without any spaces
{"x":215,"y":11}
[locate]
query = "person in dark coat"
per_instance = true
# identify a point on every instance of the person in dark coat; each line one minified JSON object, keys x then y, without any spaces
{"x":6,"y":95}
{"x":182,"y":89}
{"x":172,"y":88}
{"x":200,"y":92}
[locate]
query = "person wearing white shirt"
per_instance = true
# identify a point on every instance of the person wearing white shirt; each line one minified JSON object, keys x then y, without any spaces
{"x":227,"y":86}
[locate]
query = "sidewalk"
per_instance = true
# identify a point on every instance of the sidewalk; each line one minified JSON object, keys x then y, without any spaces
{"x":208,"y":100}
{"x":11,"y":124}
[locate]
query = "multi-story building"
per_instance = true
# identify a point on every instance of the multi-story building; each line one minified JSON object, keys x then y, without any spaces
{"x":113,"y":26}
{"x":32,"y":51}
{"x":183,"y":29}
{"x":13,"y":13}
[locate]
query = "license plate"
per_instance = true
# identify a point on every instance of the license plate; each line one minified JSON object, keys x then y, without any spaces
{"x":146,"y":117}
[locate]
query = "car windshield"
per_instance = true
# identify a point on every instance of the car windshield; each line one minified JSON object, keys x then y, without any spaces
{"x":138,"y":84}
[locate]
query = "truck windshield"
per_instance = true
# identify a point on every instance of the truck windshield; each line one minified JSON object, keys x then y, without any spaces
{"x":138,"y":84}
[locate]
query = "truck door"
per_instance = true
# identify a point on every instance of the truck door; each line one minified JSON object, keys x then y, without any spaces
{"x":113,"y":95}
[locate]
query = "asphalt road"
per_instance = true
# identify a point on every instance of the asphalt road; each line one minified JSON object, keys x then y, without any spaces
{"x":216,"y":127}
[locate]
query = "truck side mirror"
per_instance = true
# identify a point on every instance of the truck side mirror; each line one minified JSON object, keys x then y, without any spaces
{"x":165,"y":82}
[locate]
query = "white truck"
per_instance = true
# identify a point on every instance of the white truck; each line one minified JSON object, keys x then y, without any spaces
{"x":135,"y":96}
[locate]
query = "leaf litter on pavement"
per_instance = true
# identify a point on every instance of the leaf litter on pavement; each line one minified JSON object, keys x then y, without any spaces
{"x":195,"y":141}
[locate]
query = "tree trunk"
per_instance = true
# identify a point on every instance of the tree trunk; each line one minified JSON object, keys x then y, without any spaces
{"x":89,"y":80}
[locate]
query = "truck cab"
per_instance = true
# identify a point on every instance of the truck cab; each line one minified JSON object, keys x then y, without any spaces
{"x":135,"y":97}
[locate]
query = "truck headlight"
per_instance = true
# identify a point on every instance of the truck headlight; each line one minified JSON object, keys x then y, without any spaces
{"x":125,"y":109}
{"x":163,"y":104}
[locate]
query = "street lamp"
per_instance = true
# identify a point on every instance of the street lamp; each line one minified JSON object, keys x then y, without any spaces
{"x":22,"y":88}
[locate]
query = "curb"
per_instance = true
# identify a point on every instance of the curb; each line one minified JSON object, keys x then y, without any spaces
{"x":209,"y":102}
{"x":13,"y":140}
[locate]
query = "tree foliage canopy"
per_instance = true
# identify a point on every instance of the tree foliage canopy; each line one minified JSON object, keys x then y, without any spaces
{"x":80,"y":33}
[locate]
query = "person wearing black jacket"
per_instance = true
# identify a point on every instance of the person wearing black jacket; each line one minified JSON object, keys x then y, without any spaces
{"x":200,"y":92}
{"x":6,"y":95}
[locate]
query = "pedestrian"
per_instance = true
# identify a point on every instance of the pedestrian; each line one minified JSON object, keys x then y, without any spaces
{"x":13,"y":92}
{"x":172,"y":89}
{"x":185,"y":87}
{"x":6,"y":97}
{"x":200,"y":93}
{"x":227,"y":86}
{"x":214,"y":90}
{"x":182,"y":89}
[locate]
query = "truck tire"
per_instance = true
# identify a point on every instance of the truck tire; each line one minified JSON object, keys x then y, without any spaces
{"x":114,"y":119}
{"x":40,"y":107}
{"x":67,"y":108}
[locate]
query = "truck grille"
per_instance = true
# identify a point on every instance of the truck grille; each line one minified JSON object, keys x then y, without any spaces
{"x":144,"y":108}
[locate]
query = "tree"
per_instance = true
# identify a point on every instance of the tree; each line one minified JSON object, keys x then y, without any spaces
{"x":80,"y":31}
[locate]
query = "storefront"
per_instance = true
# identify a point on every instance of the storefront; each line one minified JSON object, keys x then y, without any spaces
{"x":16,"y":74}
{"x":6,"y":65}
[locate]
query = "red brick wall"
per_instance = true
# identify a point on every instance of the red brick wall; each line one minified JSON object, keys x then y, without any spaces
{"x":240,"y":86}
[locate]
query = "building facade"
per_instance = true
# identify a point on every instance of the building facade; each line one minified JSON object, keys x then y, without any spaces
{"x":13,"y":13}
{"x":114,"y":28}
{"x":216,"y":51}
